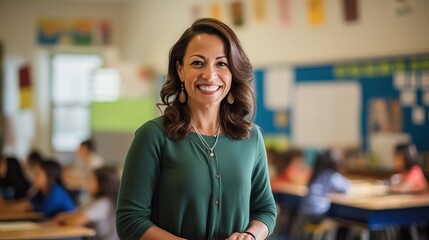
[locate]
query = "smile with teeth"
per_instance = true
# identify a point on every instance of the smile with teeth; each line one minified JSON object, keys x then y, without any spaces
{"x":208,"y":88}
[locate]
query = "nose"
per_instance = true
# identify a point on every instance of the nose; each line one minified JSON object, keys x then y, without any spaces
{"x":209,"y":72}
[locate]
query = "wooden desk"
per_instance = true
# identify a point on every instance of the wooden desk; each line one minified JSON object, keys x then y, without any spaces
{"x":289,"y":194}
{"x":367,"y":204}
{"x":13,"y":216}
{"x":48,"y":231}
{"x":381,"y":211}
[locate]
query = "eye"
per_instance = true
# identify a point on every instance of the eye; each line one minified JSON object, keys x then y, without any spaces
{"x":197,"y":63}
{"x":222,"y":64}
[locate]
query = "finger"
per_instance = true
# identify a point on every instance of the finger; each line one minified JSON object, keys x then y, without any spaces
{"x":233,"y":236}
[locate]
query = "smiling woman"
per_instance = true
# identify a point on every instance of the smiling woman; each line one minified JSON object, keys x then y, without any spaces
{"x":212,"y":53}
{"x":205,"y":72}
{"x":204,"y":152}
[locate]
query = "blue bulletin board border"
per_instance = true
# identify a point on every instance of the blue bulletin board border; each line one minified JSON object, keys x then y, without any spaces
{"x":376,"y":78}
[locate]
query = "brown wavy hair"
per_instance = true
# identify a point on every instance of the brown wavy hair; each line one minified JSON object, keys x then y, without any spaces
{"x":236,"y":118}
{"x":108,"y":183}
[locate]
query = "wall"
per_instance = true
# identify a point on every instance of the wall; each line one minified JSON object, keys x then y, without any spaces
{"x":145,"y":30}
{"x":18,"y":35}
{"x":154,"y":26}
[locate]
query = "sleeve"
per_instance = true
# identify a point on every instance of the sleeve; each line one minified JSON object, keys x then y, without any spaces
{"x":98,"y":210}
{"x":139,"y":178}
{"x":416,"y":179}
{"x":262,"y":204}
{"x":340,"y":183}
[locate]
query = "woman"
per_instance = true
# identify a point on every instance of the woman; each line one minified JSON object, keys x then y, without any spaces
{"x":200,"y":170}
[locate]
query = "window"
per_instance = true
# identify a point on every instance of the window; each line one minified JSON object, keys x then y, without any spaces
{"x":72,"y":77}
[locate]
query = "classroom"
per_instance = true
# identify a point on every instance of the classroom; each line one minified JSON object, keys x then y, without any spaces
{"x":214,"y":119}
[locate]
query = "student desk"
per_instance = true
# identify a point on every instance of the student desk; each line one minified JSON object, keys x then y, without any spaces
{"x":377,"y":212}
{"x":366,"y":204}
{"x":289,"y":194}
{"x":48,"y":231}
{"x":13,"y":216}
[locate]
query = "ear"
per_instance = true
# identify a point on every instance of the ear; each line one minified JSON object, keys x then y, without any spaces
{"x":179,"y":69}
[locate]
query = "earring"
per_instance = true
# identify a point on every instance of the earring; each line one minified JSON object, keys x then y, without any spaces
{"x":230,"y":98}
{"x":182,"y":95}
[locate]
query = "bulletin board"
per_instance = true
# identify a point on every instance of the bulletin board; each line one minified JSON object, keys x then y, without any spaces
{"x":351,"y":103}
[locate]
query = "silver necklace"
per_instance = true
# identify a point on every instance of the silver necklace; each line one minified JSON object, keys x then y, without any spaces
{"x":205,"y":144}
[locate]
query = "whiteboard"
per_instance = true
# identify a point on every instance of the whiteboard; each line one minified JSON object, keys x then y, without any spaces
{"x":327,"y":114}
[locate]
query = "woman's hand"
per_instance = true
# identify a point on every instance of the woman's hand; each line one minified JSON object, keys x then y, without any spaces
{"x":240,"y":236}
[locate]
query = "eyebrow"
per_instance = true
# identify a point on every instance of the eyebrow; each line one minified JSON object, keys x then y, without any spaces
{"x":201,"y":56}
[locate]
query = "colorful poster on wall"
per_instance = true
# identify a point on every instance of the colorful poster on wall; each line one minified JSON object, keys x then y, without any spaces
{"x":285,"y":12}
{"x":260,"y":9}
{"x":385,"y":115}
{"x":105,"y":28}
{"x":316,"y":12}
{"x":50,"y":31}
{"x":350,"y":9}
{"x":237,"y":10}
{"x":57,"y":31}
{"x":82,"y":32}
{"x":216,"y":11}
{"x":25,"y":89}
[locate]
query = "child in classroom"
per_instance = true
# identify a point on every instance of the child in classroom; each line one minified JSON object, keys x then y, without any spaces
{"x":13,"y":184}
{"x":292,"y":168}
{"x":410,"y":177}
{"x":99,"y":213}
{"x":325,"y":179}
{"x":33,"y":158}
{"x":51,"y":197}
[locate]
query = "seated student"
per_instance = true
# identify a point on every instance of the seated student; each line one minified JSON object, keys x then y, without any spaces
{"x":324,"y":180}
{"x":76,"y":175}
{"x":51,"y":197}
{"x":292,"y":168}
{"x":103,"y":185}
{"x":410,"y":177}
{"x":13,"y":184}
{"x":33,"y":158}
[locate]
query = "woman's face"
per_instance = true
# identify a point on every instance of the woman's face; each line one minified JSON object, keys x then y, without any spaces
{"x":40,"y":180}
{"x":92,"y":185}
{"x":398,"y":162}
{"x":205,"y":71}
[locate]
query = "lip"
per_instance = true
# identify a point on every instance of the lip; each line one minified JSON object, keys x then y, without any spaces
{"x":208,"y":88}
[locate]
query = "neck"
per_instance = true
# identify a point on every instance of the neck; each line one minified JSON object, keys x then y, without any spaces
{"x":206,"y":122}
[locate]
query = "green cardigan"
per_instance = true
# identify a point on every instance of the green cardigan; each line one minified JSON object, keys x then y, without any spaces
{"x":179,"y":187}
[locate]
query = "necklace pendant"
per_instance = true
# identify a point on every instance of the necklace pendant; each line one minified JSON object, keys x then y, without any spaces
{"x":211,"y":154}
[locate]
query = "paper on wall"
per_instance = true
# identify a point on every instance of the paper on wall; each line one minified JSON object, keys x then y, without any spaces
{"x":408,"y":97}
{"x":418,"y":115}
{"x":278,"y":86}
{"x":399,"y":80}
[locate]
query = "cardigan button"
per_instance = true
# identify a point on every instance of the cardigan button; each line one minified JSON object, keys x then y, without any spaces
{"x":217,"y":176}
{"x":217,"y":202}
